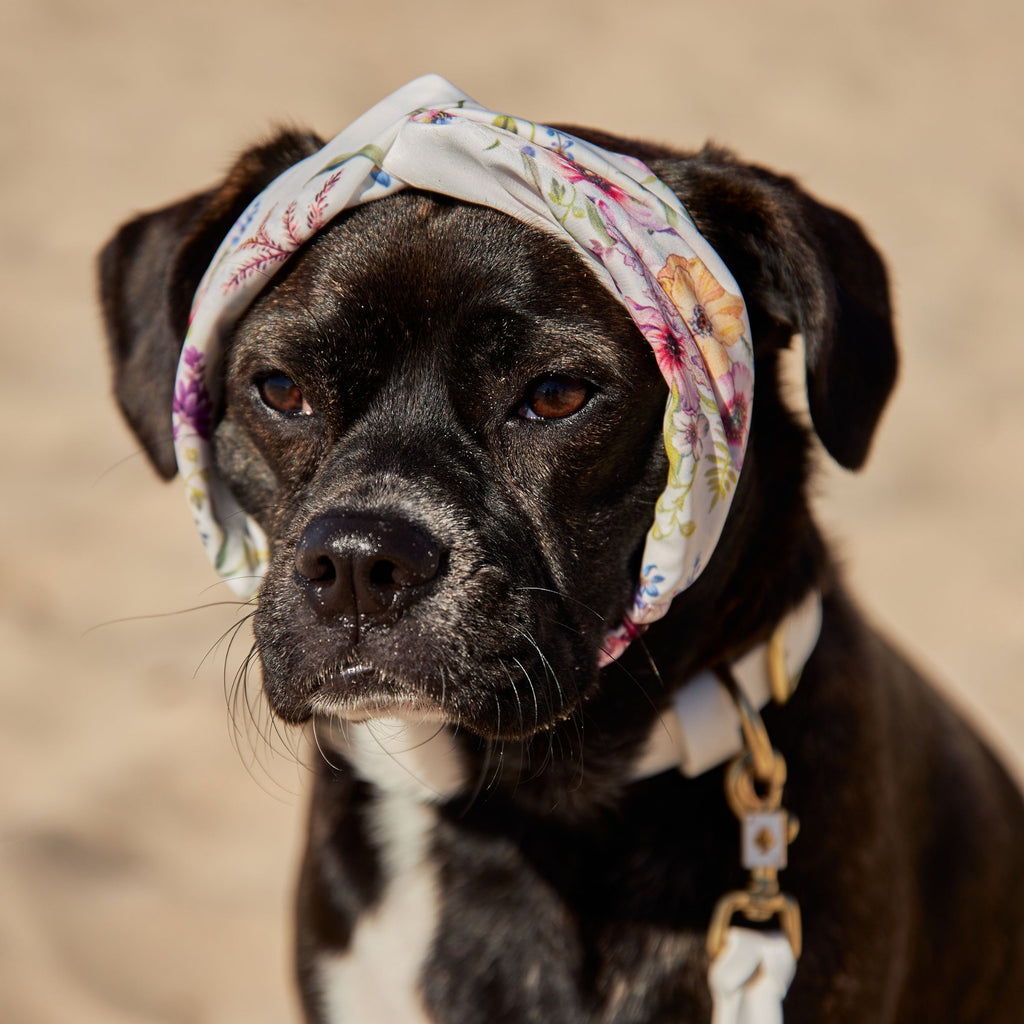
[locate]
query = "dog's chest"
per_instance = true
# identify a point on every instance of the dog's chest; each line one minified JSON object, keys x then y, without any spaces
{"x":488,"y":907}
{"x":377,"y":980}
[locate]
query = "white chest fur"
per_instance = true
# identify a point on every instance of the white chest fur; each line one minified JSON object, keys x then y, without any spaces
{"x":377,"y":979}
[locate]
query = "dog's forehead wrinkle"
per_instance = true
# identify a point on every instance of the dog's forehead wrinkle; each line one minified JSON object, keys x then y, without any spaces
{"x":438,"y":250}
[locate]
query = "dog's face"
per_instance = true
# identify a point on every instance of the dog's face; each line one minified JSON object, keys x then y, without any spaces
{"x":451,"y":432}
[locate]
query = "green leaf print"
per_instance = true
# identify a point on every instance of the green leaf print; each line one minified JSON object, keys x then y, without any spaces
{"x":370,"y":151}
{"x":222,"y":554}
{"x":531,"y":170}
{"x":597,"y":224}
{"x":721,"y":476}
{"x":506,"y":123}
{"x":672,"y":515}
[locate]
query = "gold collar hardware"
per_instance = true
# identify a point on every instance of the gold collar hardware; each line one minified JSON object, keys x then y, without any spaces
{"x":766,"y":827}
{"x":782,"y":684}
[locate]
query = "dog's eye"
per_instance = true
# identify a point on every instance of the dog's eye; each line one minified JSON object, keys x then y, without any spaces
{"x":554,"y":397}
{"x":283,"y":394}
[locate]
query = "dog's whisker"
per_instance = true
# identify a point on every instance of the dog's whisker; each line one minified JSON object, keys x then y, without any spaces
{"x":577,"y":724}
{"x":243,"y":707}
{"x":533,"y":690}
{"x":563,"y":597}
{"x":167,"y":439}
{"x":549,"y":670}
{"x":650,"y":660}
{"x":518,"y":701}
{"x":262,"y":726}
{"x":438,"y":729}
{"x":230,"y":635}
{"x":392,"y":756}
{"x":226,"y":583}
{"x":320,"y":747}
{"x":249,"y":758}
{"x":631,"y":678}
{"x":498,"y":764}
{"x":287,"y":736}
{"x":242,"y":690}
{"x":152,"y":616}
{"x":573,"y":717}
{"x":481,"y":774}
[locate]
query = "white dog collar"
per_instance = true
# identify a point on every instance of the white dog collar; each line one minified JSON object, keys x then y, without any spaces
{"x":700,"y":729}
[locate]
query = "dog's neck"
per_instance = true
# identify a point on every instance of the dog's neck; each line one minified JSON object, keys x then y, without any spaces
{"x":700,"y":729}
{"x":697,"y":731}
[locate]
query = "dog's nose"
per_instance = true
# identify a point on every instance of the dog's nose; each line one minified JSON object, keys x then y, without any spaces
{"x":372,"y":567}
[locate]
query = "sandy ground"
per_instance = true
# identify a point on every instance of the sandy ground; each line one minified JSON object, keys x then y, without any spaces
{"x":145,"y":866}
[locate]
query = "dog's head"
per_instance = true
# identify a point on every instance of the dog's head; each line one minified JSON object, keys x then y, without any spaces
{"x":451,"y":433}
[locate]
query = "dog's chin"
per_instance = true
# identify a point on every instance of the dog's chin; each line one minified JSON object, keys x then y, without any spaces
{"x":379,"y":704}
{"x":365,"y":693}
{"x":355,"y":693}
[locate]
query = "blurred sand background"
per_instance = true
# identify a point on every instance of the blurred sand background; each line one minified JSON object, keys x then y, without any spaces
{"x":146,"y":867}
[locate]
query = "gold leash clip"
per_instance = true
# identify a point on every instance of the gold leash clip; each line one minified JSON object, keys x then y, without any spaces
{"x":767,"y":829}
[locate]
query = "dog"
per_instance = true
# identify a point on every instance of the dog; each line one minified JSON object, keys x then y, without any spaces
{"x":449,"y":431}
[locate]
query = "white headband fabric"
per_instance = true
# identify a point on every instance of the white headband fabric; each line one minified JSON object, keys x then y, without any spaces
{"x":630,"y":229}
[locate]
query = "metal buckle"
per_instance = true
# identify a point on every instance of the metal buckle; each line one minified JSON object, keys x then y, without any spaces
{"x":767,"y":829}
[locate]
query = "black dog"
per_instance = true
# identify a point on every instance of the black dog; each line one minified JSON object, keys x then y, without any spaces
{"x":451,"y":535}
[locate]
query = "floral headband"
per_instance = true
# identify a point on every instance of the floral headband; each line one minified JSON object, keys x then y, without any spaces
{"x":628,"y":226}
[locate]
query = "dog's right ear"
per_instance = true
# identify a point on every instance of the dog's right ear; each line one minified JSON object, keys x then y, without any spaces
{"x":149,"y":272}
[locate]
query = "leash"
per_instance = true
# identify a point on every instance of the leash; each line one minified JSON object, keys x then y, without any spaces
{"x":751,"y":971}
{"x":716,"y":718}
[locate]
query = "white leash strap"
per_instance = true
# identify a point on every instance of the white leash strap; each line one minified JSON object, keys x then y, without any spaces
{"x":750,"y":977}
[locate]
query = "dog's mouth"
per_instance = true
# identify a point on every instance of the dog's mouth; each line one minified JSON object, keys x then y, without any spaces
{"x":499,"y":698}
{"x":357,"y":693}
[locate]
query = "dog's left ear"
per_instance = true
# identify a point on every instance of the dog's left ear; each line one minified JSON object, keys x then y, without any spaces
{"x":804,"y":268}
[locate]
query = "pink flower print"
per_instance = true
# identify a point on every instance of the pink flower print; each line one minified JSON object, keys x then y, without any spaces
{"x":621,"y":201}
{"x":261,"y":252}
{"x":680,"y":365}
{"x":573,"y":173}
{"x":432,"y":116}
{"x":616,"y":641}
{"x":192,"y":406}
{"x":736,"y":408}
{"x":691,"y":433}
{"x":671,"y":356}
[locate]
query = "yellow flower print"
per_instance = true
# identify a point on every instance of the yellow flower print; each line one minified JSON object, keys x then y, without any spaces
{"x":714,"y":316}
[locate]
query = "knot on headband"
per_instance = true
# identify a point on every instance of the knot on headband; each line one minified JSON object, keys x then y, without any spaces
{"x":628,"y":226}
